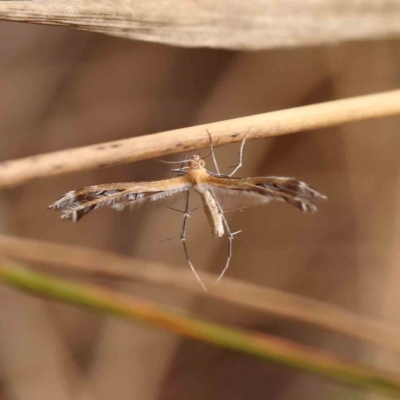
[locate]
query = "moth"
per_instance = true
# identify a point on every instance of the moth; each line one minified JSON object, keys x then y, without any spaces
{"x":212,"y":187}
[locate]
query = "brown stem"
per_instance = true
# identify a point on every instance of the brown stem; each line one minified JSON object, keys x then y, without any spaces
{"x":94,"y":262}
{"x":161,"y":144}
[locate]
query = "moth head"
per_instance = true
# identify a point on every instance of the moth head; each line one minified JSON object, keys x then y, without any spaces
{"x":197,"y":162}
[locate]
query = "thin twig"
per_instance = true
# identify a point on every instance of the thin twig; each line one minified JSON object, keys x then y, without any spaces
{"x":144,"y":147}
{"x":252,"y":343}
{"x":99,"y":263}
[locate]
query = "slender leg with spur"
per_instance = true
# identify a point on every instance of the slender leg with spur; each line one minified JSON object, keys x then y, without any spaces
{"x":186,"y":215}
{"x":228,"y":231}
{"x":240,"y":163}
{"x":225,"y":222}
{"x":212,"y":153}
{"x":230,"y":245}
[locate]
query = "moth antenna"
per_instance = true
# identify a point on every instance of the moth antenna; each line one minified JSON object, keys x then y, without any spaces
{"x":171,"y":162}
{"x":183,"y":167}
{"x":180,"y":171}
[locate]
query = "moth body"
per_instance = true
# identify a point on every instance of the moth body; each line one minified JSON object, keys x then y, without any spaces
{"x":199,"y":177}
{"x":211,"y":187}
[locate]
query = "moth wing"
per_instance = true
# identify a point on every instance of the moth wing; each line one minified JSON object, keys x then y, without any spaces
{"x":232,"y":199}
{"x":77,"y":203}
{"x":249,"y":192}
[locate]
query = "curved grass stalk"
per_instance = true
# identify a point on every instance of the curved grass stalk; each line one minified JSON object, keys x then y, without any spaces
{"x":265,"y":125}
{"x":263,"y":346}
{"x":82,"y":261}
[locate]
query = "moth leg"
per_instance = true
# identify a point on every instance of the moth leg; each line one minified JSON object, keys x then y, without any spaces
{"x":181,"y":212}
{"x":240,"y":163}
{"x":230,"y":245}
{"x":186,"y":215}
{"x":213,"y":153}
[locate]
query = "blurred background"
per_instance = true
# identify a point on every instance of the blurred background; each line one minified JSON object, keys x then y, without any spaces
{"x":61,"y":88}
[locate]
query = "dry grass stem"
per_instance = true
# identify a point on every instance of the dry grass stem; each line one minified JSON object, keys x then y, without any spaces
{"x":250,"y":24}
{"x":264,"y":346}
{"x":161,"y":144}
{"x":94,"y":262}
